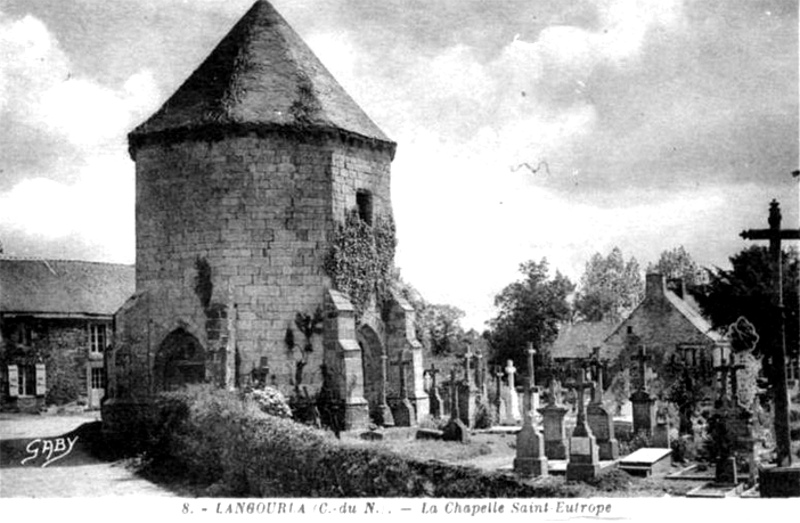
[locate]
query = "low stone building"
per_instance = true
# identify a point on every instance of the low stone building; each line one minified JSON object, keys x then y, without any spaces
{"x":55,"y":323}
{"x":674,"y":333}
{"x":264,"y":236}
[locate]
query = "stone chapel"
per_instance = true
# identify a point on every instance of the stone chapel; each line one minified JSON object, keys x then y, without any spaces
{"x":244,"y":177}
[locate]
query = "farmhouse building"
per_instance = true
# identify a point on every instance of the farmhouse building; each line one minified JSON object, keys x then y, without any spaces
{"x":55,"y":324}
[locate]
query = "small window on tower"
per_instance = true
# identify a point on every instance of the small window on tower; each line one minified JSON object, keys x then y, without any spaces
{"x":364,"y":204}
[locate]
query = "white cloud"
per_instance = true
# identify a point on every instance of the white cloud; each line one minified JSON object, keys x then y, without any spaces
{"x":38,"y":90}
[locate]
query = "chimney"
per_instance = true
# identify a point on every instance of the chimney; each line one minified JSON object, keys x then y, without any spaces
{"x":654,"y":286}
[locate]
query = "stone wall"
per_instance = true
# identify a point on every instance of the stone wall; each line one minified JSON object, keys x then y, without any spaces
{"x":261,"y":212}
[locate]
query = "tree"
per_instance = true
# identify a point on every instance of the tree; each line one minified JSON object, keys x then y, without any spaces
{"x":677,"y":263}
{"x":530,"y":310}
{"x":746,"y":291}
{"x":610,"y":287}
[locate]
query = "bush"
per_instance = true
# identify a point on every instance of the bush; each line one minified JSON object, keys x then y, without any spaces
{"x":223,"y":441}
{"x":271,"y":402}
{"x":485,"y":416}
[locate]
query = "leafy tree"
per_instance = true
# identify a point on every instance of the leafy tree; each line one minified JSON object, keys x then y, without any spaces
{"x":530,"y":310}
{"x":610,"y":287}
{"x":677,"y":263}
{"x":746,"y":291}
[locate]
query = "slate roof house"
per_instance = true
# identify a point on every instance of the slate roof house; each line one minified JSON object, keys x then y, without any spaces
{"x":55,"y":323}
{"x":670,"y":328}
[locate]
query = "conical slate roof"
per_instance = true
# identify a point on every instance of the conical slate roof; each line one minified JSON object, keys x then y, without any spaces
{"x":261,"y":75}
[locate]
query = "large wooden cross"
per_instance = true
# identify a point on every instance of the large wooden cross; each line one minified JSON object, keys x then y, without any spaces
{"x":775,"y":234}
{"x":642,"y":358}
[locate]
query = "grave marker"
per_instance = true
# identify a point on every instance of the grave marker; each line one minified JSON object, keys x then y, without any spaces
{"x":600,"y":421}
{"x":436,"y":407}
{"x":530,"y":460}
{"x":584,"y":461}
{"x":455,"y":430}
{"x":403,"y":411}
{"x":512,"y":403}
{"x":642,"y":403}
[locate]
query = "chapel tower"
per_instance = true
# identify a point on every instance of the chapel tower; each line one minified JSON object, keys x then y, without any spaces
{"x":244,"y":178}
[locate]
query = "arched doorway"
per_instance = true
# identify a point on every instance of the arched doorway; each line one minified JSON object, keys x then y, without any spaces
{"x":180,"y":360}
{"x":371,"y":350}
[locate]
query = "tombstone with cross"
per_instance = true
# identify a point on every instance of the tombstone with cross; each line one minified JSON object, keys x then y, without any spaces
{"x":600,"y":421}
{"x":436,"y":406}
{"x":643,"y":404}
{"x":553,"y":427}
{"x":512,"y":412}
{"x":402,"y":410}
{"x":498,"y":385}
{"x":455,"y":430}
{"x":584,"y":460}
{"x":531,"y":459}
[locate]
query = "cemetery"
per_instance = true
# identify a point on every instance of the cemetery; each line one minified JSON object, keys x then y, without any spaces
{"x":271,"y":349}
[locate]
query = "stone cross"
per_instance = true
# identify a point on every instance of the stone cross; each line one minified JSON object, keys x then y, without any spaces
{"x":510,"y":370}
{"x":735,"y":368}
{"x":552,"y":392}
{"x":579,"y":387}
{"x":433,"y":371}
{"x":642,"y":358}
{"x":597,"y":370}
{"x":479,"y":377}
{"x":532,"y":377}
{"x":498,"y":382}
{"x":453,"y":395}
{"x":468,"y":366}
{"x":780,"y":388}
{"x":723,"y":368}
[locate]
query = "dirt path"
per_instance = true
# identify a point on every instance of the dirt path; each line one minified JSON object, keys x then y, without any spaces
{"x":35,"y":438}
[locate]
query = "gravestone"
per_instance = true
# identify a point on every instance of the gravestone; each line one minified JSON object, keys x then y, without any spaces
{"x":436,"y":405}
{"x":455,"y":430}
{"x":642,"y":403}
{"x":512,"y":412}
{"x":555,"y":436}
{"x":498,"y":400}
{"x":584,"y":460}
{"x":600,"y":421}
{"x":402,"y":409}
{"x":647,"y":462}
{"x":467,"y":392}
{"x":530,"y":460}
{"x":660,"y":438}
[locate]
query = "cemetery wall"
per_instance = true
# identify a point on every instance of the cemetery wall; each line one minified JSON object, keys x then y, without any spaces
{"x":261,"y":212}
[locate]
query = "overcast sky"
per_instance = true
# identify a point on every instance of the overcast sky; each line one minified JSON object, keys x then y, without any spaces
{"x":661,"y":123}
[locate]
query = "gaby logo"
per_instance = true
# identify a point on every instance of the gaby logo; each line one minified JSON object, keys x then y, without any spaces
{"x":51,"y":449}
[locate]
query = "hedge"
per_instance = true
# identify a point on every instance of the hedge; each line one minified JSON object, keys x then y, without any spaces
{"x":223,"y":440}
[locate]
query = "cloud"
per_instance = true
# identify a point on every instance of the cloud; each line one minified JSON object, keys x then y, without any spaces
{"x":87,"y":190}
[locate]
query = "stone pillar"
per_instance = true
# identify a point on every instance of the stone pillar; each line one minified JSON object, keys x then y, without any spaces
{"x":401,"y":337}
{"x":343,"y":359}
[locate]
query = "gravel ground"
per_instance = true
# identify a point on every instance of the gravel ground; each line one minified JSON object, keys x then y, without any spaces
{"x":82,"y":476}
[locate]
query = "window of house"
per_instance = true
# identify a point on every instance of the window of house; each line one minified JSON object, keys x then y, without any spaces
{"x":98,"y":378}
{"x":364,"y":204}
{"x":98,"y":335}
{"x":26,"y":380}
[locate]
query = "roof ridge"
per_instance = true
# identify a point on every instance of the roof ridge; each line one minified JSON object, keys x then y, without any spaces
{"x":4,"y":257}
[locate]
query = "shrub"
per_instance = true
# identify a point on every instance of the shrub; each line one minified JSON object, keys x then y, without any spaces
{"x":485,"y":416}
{"x":219,"y":439}
{"x":271,"y":402}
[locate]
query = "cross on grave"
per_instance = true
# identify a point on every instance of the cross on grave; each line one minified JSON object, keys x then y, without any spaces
{"x":531,"y":377}
{"x":597,"y":370}
{"x":498,"y":383}
{"x":775,"y":234}
{"x":735,"y":368}
{"x":510,"y":370}
{"x":552,"y":391}
{"x":435,"y":400}
{"x":468,"y":366}
{"x":723,"y":369}
{"x":580,"y":424}
{"x":479,"y":369}
{"x":642,"y":357}
{"x":454,"y":414}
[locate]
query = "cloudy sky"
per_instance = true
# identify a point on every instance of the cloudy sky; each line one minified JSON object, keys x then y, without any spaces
{"x":526,"y":129}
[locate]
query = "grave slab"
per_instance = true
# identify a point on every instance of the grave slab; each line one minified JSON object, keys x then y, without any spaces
{"x":780,"y":482}
{"x":429,"y":434}
{"x":647,"y":462}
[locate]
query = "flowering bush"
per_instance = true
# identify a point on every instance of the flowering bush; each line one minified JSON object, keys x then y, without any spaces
{"x":271,"y":401}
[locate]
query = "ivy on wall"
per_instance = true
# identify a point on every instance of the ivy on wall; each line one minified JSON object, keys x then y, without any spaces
{"x":361,"y":257}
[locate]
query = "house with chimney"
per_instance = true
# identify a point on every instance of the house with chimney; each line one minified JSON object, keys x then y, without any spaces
{"x":673,"y":332}
{"x":55,"y":325}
